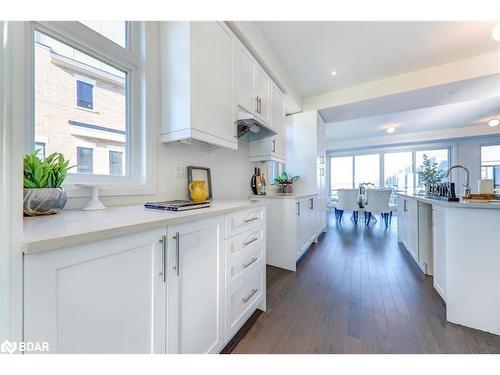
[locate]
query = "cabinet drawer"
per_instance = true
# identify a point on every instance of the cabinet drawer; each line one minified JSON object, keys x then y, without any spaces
{"x":241,"y":260}
{"x":236,"y":245}
{"x":241,"y":221}
{"x":243,"y":298}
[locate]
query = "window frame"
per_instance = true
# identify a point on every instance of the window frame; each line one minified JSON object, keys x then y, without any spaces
{"x":481,"y":145}
{"x":79,"y":88}
{"x":382,"y":151}
{"x":115,"y":152}
{"x":139,"y":60}
{"x":78,"y":148}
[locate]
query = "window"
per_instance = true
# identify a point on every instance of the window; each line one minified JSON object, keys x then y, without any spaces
{"x":115,"y":163}
{"x":40,"y":146}
{"x":341,"y":173}
{"x":490,"y":164}
{"x":390,"y":168}
{"x":367,"y":170}
{"x":84,"y":160}
{"x":440,"y":156}
{"x":113,"y":30}
{"x":75,"y":67}
{"x":274,"y":169}
{"x":398,"y":170}
{"x":84,"y":95}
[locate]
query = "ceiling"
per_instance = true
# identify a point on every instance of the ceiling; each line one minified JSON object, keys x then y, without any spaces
{"x":448,"y":116}
{"x":365,"y":51}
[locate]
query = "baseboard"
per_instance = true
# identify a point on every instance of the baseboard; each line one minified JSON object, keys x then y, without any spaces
{"x":231,"y":345}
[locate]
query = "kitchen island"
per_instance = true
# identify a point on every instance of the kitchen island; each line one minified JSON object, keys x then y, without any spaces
{"x":459,"y":244}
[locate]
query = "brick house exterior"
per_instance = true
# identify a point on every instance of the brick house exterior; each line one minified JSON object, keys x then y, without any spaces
{"x":63,"y":126}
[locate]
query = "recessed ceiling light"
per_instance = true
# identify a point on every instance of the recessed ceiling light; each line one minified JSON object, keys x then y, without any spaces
{"x":496,"y":32}
{"x":334,"y":73}
{"x":391,"y":129}
{"x":494,"y":122}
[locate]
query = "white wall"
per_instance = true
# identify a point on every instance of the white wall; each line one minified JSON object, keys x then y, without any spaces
{"x":231,"y":172}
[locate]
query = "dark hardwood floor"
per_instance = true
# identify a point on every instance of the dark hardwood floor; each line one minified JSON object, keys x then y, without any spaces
{"x":357,"y":292}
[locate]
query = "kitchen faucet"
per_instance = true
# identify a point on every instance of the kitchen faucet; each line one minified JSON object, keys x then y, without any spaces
{"x":467,"y":188}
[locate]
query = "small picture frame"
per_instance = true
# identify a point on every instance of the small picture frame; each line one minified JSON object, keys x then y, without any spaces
{"x":200,"y":173}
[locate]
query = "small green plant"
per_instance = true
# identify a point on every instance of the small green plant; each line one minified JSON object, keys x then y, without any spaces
{"x":430,"y":174}
{"x":285,"y":178}
{"x":47,"y":173}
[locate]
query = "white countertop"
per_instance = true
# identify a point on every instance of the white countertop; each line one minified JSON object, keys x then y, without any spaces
{"x":460,"y":204}
{"x":74,"y":227}
{"x":284,"y":196}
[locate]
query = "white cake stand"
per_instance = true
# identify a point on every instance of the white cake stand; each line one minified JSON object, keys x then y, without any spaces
{"x":94,"y":204}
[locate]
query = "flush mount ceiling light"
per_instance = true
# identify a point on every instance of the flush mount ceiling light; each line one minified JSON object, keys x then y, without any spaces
{"x":494,"y":122}
{"x":390,"y":129}
{"x":496,"y":32}
{"x":334,"y":73}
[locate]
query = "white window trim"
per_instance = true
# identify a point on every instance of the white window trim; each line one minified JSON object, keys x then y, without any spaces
{"x":140,"y":59}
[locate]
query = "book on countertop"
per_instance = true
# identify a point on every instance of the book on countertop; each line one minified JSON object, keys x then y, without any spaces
{"x":177,"y":205}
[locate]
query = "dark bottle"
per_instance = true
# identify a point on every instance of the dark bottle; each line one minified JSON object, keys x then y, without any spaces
{"x":253,"y":182}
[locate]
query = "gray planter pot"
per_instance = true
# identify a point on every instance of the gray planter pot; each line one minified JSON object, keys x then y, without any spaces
{"x":39,"y":202}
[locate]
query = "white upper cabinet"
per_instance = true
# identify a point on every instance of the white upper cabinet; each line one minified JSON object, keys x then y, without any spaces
{"x":198,"y":83}
{"x":263,"y":94}
{"x":246,"y":80}
{"x":272,"y":148}
{"x":254,"y":87}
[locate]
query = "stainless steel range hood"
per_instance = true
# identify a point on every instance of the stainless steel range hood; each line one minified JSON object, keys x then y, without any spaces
{"x":250,"y":128}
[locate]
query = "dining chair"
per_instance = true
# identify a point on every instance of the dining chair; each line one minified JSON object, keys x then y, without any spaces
{"x":347,"y":201}
{"x":377,"y":202}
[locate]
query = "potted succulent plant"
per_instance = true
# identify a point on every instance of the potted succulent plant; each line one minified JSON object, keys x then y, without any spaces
{"x":284,"y":182}
{"x":43,"y":194}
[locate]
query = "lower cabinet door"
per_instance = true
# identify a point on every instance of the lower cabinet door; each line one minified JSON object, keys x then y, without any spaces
{"x":439,"y":250}
{"x":195,"y":282}
{"x":102,"y":297}
{"x":243,"y":299}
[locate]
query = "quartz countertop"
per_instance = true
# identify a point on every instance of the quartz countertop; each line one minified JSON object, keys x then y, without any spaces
{"x":460,"y":204}
{"x":284,"y":196}
{"x":74,"y":227}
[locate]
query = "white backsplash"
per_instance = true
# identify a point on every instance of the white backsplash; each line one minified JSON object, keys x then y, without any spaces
{"x":231,"y":172}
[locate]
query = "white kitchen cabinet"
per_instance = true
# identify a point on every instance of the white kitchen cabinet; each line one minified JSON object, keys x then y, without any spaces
{"x":246,"y":80}
{"x":253,"y":86}
{"x":102,"y":297}
{"x":293,"y":224}
{"x":439,"y":249}
{"x":414,"y":231}
{"x":195,"y":279}
{"x":263,"y":94}
{"x":305,"y":152}
{"x":272,"y":148}
{"x":412,"y":228}
{"x":198,"y":83}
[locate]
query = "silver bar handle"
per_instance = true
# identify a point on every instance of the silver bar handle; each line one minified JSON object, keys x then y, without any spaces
{"x":298,"y":208}
{"x":274,"y":145}
{"x":252,"y":293}
{"x":249,"y":242}
{"x":260,"y":105}
{"x":312,"y":204}
{"x":163,"y":272}
{"x":177,"y":267}
{"x":257,"y":104}
{"x":251,"y":219}
{"x":252,"y":261}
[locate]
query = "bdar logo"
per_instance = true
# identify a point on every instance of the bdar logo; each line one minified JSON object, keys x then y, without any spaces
{"x":8,"y":347}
